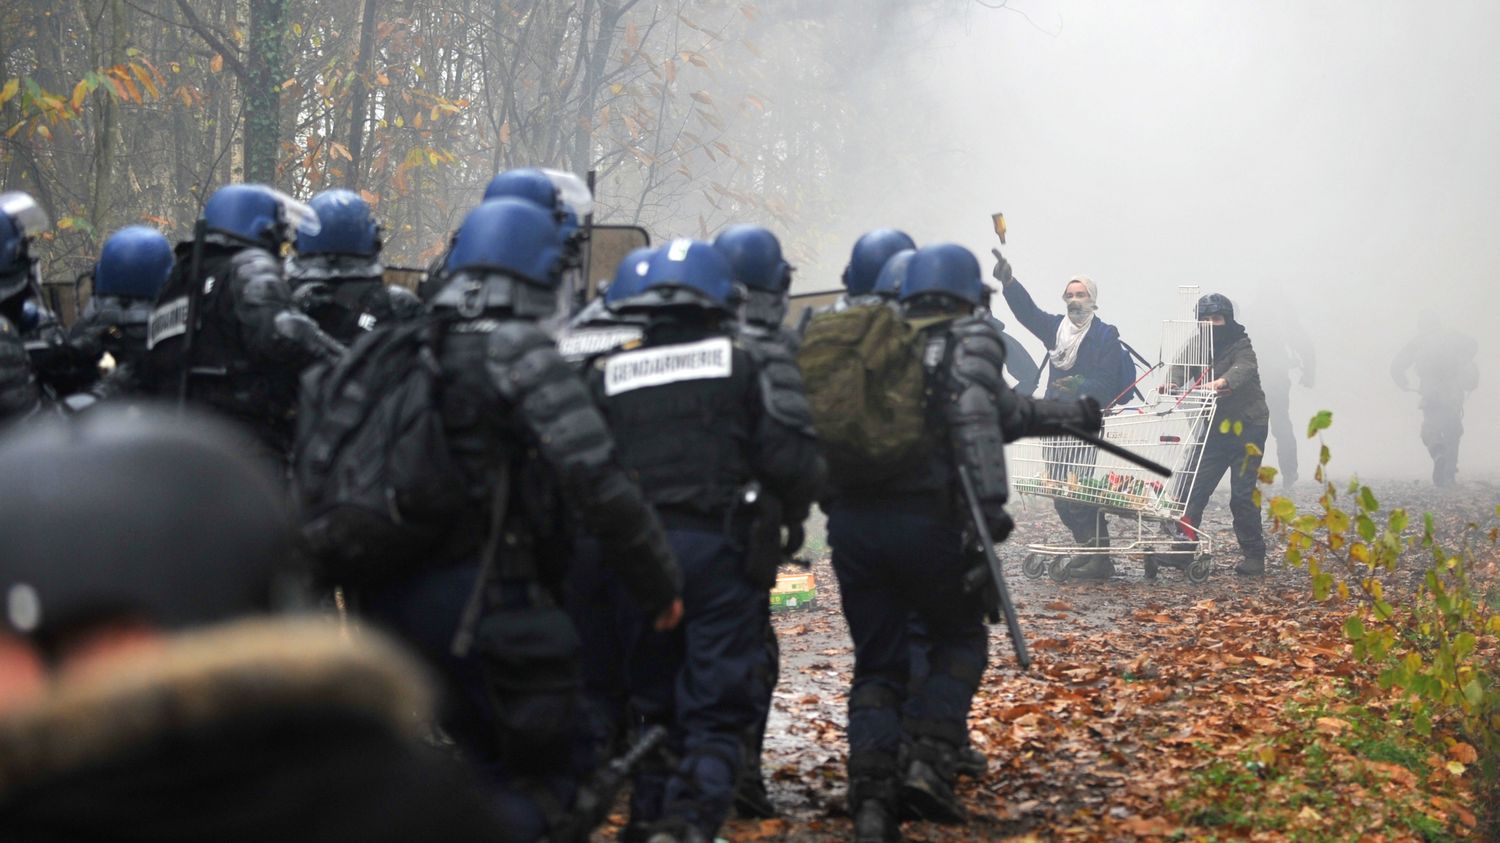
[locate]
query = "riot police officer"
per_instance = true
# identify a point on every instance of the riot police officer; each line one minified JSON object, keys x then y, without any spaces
{"x":568,"y":198}
{"x":132,"y":267}
{"x":754,"y":253}
{"x":868,"y":257}
{"x":900,"y":551}
{"x":537,"y":463}
{"x":336,"y":274}
{"x":707,"y":423}
{"x":242,"y":355}
{"x":21,"y":219}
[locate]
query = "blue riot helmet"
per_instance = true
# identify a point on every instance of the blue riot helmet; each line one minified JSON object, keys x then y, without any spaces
{"x":686,"y":274}
{"x":21,"y":219}
{"x":630,"y":277}
{"x":888,"y":282}
{"x":870,"y":253}
{"x":947,"y":270}
{"x":133,"y":264}
{"x":256,"y":215}
{"x":527,"y":183}
{"x":347,"y":227}
{"x":507,"y":254}
{"x":564,"y":194}
{"x":755,"y":255}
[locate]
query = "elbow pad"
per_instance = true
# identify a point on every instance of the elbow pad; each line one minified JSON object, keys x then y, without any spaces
{"x":527,"y":371}
{"x":781,"y":390}
{"x":973,"y":411}
{"x":262,"y":284}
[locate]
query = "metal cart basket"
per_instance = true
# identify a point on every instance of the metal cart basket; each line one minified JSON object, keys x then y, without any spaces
{"x":1169,"y":426}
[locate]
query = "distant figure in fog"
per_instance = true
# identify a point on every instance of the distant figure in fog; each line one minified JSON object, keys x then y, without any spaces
{"x":1283,"y":344}
{"x":1447,"y":373}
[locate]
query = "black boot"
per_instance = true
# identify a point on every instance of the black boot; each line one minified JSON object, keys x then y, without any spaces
{"x":927,"y":785}
{"x":971,"y":762}
{"x":1096,"y":565}
{"x":872,"y":803}
{"x":751,"y":801}
{"x":1252,"y":566}
{"x":676,"y":831}
{"x":875,"y":822}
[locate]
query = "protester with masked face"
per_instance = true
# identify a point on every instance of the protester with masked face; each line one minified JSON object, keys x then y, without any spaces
{"x":1085,"y":359}
{"x":1241,"y":418}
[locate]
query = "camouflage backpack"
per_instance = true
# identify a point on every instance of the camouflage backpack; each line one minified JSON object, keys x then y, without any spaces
{"x":862,"y":367}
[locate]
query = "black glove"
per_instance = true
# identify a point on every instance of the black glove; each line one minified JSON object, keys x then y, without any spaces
{"x":795,"y":536}
{"x":1090,"y":417}
{"x":999,"y":521}
{"x":313,"y":297}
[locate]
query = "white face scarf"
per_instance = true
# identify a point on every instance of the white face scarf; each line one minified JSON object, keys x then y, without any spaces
{"x":1064,"y":353}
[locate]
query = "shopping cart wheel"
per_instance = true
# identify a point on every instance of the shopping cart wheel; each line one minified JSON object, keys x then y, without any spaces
{"x":1200,"y":568}
{"x":1034,"y":566}
{"x":1151,"y":566}
{"x":1055,"y":568}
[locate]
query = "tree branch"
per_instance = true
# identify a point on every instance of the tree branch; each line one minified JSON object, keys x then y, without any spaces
{"x":223,"y":49}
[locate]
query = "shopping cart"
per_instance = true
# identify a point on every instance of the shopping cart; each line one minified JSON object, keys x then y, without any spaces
{"x":1168,"y":426}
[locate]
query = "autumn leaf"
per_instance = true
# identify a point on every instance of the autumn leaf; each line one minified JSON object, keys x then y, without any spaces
{"x":703,"y":97}
{"x":216,"y":64}
{"x":1463,"y":753}
{"x":1332,"y":726}
{"x":146,"y":81}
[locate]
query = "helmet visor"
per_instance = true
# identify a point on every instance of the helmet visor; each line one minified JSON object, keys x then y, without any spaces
{"x":572,"y":193}
{"x":24,"y":211}
{"x":298,"y":216}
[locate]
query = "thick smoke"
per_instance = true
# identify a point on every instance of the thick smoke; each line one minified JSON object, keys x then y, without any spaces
{"x":1338,"y":160}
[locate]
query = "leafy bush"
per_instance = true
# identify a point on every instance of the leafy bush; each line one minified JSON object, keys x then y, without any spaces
{"x":1436,"y":642}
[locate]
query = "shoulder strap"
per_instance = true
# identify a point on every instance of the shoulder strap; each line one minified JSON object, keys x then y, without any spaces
{"x":463,"y":637}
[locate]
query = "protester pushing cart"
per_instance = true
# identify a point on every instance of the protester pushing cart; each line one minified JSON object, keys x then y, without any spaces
{"x":1168,"y":427}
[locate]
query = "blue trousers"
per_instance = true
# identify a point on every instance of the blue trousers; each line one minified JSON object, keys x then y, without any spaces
{"x":531,"y":782}
{"x":697,"y":680}
{"x":895,"y":568}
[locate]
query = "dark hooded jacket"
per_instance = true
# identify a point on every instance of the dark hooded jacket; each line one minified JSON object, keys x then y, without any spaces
{"x":258,"y":730}
{"x":1235,"y":362}
{"x":1103,"y":370}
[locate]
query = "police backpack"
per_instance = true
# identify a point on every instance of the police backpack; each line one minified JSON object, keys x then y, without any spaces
{"x":862,"y":368}
{"x":371,"y":469}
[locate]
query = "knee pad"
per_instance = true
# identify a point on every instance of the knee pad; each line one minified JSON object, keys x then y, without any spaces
{"x":958,"y":663}
{"x":874,"y":695}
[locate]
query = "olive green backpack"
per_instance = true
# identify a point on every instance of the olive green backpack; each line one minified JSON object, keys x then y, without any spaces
{"x":863,"y":372}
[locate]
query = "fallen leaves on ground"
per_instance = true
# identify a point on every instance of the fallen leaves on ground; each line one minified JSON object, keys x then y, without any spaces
{"x":1228,"y":710}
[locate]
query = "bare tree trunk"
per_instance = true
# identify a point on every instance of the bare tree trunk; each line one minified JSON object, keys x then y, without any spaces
{"x":263,"y":90}
{"x":108,"y":135}
{"x":359,"y":105}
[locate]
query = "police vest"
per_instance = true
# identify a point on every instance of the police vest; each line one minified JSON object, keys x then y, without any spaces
{"x":681,"y":416}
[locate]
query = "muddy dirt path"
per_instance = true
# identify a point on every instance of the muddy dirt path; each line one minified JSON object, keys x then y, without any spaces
{"x":1085,"y":734}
